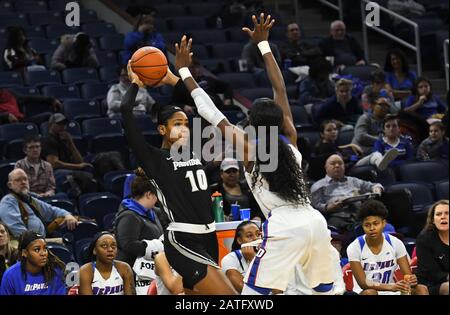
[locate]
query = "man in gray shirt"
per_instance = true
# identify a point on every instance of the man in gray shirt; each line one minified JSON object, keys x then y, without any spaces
{"x":21,"y":211}
{"x":329,"y":192}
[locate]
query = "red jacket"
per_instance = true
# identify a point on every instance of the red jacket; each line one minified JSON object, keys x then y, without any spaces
{"x":8,"y":104}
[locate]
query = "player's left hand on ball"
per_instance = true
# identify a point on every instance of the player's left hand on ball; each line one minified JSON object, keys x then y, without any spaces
{"x":183,"y":57}
{"x":133,"y":76}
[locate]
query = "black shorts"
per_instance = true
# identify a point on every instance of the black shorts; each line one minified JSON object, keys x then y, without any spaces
{"x":190,"y":254}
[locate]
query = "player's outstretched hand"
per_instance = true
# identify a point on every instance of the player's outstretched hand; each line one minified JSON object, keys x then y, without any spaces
{"x":261,"y":29}
{"x":133,"y":76}
{"x":183,"y":56}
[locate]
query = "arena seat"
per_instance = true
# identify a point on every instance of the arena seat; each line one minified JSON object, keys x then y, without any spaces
{"x":364,"y":172}
{"x":94,"y":90}
{"x":98,"y":29}
{"x":62,"y":203}
{"x":111,"y":42}
{"x":97,"y":205}
{"x":361,"y":72}
{"x":208,"y":36}
{"x":61,"y":92}
{"x":441,"y":189}
{"x":109,"y":73}
{"x":106,"y":58}
{"x":80,"y":110}
{"x":8,"y":79}
{"x":425,"y":171}
{"x":187,"y":23}
{"x":79,"y":75}
{"x":61,"y":251}
{"x":45,"y":18}
{"x":41,"y":78}
{"x":255,"y":93}
{"x":11,"y":136}
{"x":238,"y":80}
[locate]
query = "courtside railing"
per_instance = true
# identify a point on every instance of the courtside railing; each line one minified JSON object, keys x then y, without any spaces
{"x":338,"y":7}
{"x":447,"y":76}
{"x":365,"y":26}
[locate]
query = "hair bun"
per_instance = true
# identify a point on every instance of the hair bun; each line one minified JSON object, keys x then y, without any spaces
{"x":140,"y":172}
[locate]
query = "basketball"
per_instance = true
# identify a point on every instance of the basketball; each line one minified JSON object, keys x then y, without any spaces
{"x":149,"y":64}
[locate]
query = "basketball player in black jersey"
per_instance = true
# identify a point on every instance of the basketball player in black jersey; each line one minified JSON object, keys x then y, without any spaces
{"x":190,"y":242}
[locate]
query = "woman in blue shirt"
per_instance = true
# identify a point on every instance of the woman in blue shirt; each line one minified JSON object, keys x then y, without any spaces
{"x":398,"y":76}
{"x":423,"y":101}
{"x":144,"y":34}
{"x":38,"y":271}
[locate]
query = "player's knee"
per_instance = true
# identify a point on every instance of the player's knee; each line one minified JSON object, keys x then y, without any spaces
{"x":444,"y":289}
{"x":420,"y":289}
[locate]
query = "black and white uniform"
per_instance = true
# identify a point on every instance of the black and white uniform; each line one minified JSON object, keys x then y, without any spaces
{"x":190,"y":241}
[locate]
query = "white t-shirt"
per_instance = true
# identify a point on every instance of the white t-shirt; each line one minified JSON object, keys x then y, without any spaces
{"x":378,"y":268}
{"x":236,"y":261}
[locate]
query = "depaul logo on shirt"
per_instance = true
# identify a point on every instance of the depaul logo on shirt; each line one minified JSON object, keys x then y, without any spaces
{"x":35,"y":287}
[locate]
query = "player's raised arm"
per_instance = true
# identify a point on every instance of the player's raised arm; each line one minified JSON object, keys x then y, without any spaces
{"x":205,"y":106}
{"x":260,"y":35}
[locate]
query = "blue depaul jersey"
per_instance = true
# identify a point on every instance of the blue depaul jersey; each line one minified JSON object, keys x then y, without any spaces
{"x":14,"y":283}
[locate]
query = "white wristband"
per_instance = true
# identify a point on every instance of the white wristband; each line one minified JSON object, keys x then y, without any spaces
{"x":264,"y":47}
{"x":184,"y":73}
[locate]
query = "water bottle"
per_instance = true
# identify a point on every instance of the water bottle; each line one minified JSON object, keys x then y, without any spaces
{"x":287,"y":63}
{"x":218,"y":207}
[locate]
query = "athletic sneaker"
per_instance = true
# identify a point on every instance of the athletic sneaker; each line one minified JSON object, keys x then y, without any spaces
{"x":387,"y":158}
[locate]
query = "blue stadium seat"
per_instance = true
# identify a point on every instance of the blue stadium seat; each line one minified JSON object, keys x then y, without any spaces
{"x":106,"y":58}
{"x":255,"y":93}
{"x":227,"y":50}
{"x":61,"y":251}
{"x":79,"y":75}
{"x":108,"y":221}
{"x":188,"y":23}
{"x":8,"y":79}
{"x":234,"y":116}
{"x":29,"y":6}
{"x":35,"y":31}
{"x":61,"y":92}
{"x":216,"y":65}
{"x":165,"y":10}
{"x":421,"y":194}
{"x":345,"y":137}
{"x":11,"y":136}
{"x":109,"y":73}
{"x":97,"y":90}
{"x":41,"y":78}
{"x":97,"y":205}
{"x":208,"y":36}
{"x":5,"y":169}
{"x":113,"y":181}
{"x":200,"y":51}
{"x":386,"y":177}
{"x":98,"y":29}
{"x":441,"y":190}
{"x":94,"y":127}
{"x":364,"y":172}
{"x":311,"y":135}
{"x":361,"y":72}
{"x":72,"y":127}
{"x":81,"y":250}
{"x":46,"y":17}
{"x":83,"y":230}
{"x":6,"y":7}
{"x":14,"y":19}
{"x":111,"y":42}
{"x":204,"y":9}
{"x":88,"y":16}
{"x":43,"y":45}
{"x":57,"y":5}
{"x":237,"y":35}
{"x":428,"y":171}
{"x":23,"y":90}
{"x":238,"y":80}
{"x":81,"y":109}
{"x":104,"y":134}
{"x":62,"y":203}
{"x":54,"y":31}
{"x":300,"y":116}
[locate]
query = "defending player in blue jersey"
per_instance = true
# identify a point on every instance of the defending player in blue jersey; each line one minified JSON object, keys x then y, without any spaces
{"x":38,"y":271}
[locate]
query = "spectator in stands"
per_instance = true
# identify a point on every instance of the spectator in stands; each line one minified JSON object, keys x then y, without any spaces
{"x":18,"y":55}
{"x":398,"y":77}
{"x":342,"y":106}
{"x":393,"y":139}
{"x":39,"y":172}
{"x":344,"y":48}
{"x":235,"y":192}
{"x":235,"y":264}
{"x":317,"y":86}
{"x":8,"y":254}
{"x":435,"y":147}
{"x":117,"y":91}
{"x":423,"y":102}
{"x":374,"y":273}
{"x":298,"y":51}
{"x":38,"y":271}
{"x":21,"y":211}
{"x":74,"y":51}
{"x":378,"y":88}
{"x":11,"y":104}
{"x":432,"y":250}
{"x":329,"y":192}
{"x":105,"y":275}
{"x":253,"y":58}
{"x":144,"y":34}
{"x":369,"y":126}
{"x":136,"y":225}
{"x":214,"y":87}
{"x":168,"y":281}
{"x":59,"y":149}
